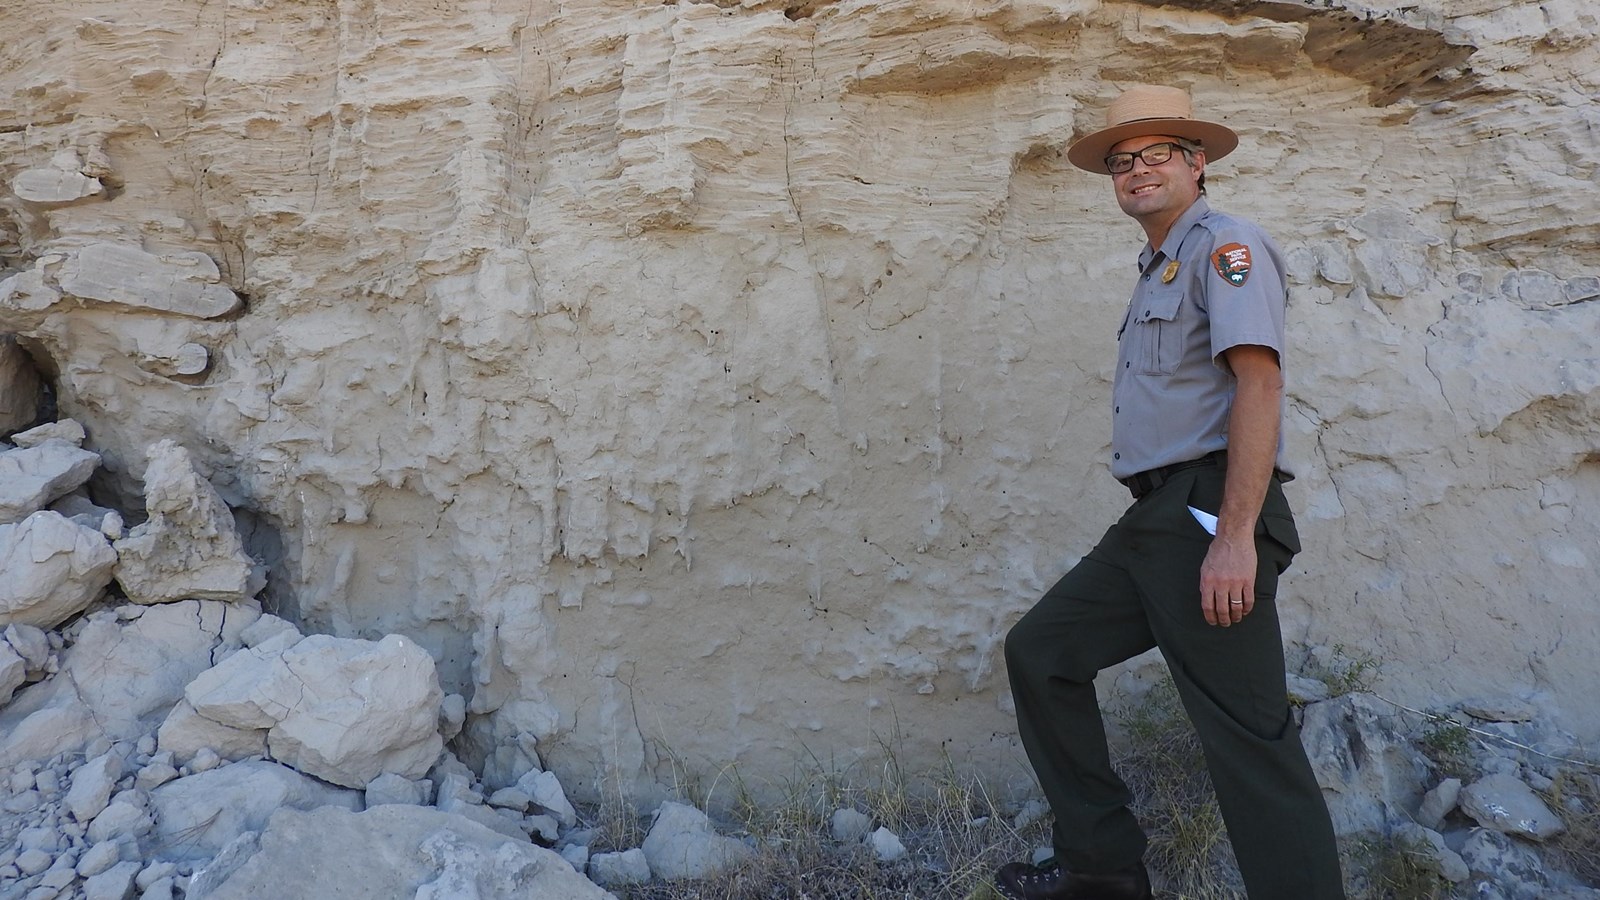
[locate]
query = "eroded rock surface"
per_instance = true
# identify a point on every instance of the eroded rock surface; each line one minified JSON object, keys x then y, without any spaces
{"x":188,"y":548}
{"x":701,"y":375}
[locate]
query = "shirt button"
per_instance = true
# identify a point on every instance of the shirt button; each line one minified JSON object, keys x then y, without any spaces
{"x":1127,"y":365}
{"x":1118,"y":409}
{"x":1116,"y":456}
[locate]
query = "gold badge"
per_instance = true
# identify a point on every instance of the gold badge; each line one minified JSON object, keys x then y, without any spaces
{"x":1170,"y":273}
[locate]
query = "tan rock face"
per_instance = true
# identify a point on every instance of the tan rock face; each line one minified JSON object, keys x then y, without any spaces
{"x":718,"y":382}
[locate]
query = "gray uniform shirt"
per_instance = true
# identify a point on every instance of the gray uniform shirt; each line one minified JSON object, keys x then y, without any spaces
{"x":1216,"y":282}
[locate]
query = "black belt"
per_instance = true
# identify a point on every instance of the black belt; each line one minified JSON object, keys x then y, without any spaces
{"x":1144,"y":482}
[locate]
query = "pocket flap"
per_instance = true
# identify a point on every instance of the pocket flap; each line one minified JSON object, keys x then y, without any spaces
{"x":1163,"y":306}
{"x":1282,"y":530}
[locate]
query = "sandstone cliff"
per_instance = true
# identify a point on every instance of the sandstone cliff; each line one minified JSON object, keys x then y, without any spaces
{"x":716,"y":382}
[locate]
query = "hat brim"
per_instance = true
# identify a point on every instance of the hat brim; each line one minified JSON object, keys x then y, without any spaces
{"x":1089,"y":153}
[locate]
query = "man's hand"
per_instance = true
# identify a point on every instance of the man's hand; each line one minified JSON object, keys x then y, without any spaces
{"x":1228,"y":581}
{"x":1228,"y":575}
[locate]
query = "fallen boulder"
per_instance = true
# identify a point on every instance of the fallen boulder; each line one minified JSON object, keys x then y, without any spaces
{"x":67,"y":430}
{"x":342,"y":709}
{"x":51,"y":569}
{"x":13,"y":672}
{"x":120,"y":677}
{"x":404,"y":851}
{"x":682,"y":844}
{"x":1371,"y":775}
{"x":198,"y":815}
{"x":31,"y":477}
{"x":1506,"y":804}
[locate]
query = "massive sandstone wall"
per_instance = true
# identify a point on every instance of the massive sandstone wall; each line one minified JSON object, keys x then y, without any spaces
{"x":709,"y":383}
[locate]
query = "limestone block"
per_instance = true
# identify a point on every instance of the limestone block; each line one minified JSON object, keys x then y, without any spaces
{"x":1504,"y":803}
{"x":82,"y":511}
{"x":188,"y":547}
{"x":28,"y":291}
{"x":1438,"y":802}
{"x":1370,"y":774}
{"x":576,"y":855}
{"x":849,"y":826}
{"x":407,"y":851}
{"x":52,"y":186}
{"x":502,"y":821}
{"x":510,"y":798}
{"x":20,"y":388}
{"x":886,"y":845}
{"x":545,"y":790}
{"x":120,"y":679}
{"x":186,"y":359}
{"x":392,"y":788}
{"x":66,"y":430}
{"x":198,"y":815}
{"x":367,"y":708}
{"x":252,"y":689}
{"x":1307,"y":690}
{"x":1438,"y":856}
{"x":113,"y":884}
{"x":236,"y":853}
{"x":92,"y":784}
{"x":51,"y":569}
{"x":31,"y":477}
{"x":1507,"y":863}
{"x":123,"y":820}
{"x":682,"y":844}
{"x":619,"y":869}
{"x":63,"y":181}
{"x":185,"y":733}
{"x":153,"y":776}
{"x":452,"y":716}
{"x":99,"y":858}
{"x":270,"y":628}
{"x":183,"y":283}
{"x":31,"y":643}
{"x":13,"y":672}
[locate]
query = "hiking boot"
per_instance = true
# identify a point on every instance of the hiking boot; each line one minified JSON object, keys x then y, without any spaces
{"x":1020,"y":881}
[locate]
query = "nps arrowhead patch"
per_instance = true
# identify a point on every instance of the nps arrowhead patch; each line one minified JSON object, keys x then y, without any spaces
{"x":1232,"y":262}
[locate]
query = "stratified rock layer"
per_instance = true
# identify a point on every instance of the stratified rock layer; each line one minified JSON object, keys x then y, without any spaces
{"x":710,"y":382}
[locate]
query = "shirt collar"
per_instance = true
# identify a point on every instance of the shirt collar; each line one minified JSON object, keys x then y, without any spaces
{"x":1175,"y":235}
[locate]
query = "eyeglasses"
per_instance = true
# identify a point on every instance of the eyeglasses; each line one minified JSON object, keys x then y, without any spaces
{"x":1153,"y":155}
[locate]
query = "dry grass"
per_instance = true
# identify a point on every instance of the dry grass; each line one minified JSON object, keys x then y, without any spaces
{"x":1575,"y":796}
{"x":957,"y":834}
{"x":1162,"y":763}
{"x":954,"y":832}
{"x":1386,"y":868}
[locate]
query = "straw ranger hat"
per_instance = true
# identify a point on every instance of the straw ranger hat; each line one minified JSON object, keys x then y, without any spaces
{"x":1146,"y":109}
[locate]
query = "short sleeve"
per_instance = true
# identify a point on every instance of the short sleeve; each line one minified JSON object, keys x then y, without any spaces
{"x":1245,"y":290}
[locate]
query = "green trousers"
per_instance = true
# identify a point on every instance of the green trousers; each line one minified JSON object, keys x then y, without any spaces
{"x":1140,"y":588}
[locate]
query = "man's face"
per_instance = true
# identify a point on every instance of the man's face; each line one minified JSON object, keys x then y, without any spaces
{"x":1146,"y":191}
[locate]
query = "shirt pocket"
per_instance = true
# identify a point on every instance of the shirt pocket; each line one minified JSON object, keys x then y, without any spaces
{"x":1159,"y":346}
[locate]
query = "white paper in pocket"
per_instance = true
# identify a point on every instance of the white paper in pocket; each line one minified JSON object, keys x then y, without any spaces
{"x":1206,"y":520}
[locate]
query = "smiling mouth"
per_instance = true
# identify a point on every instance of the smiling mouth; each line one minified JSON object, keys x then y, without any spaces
{"x":1143,"y":189}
